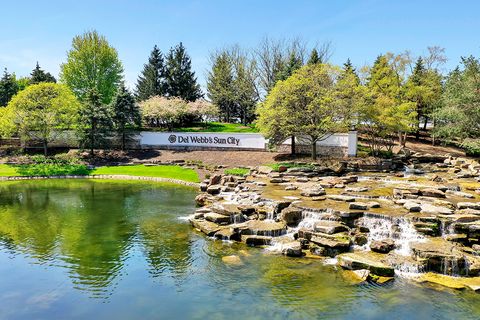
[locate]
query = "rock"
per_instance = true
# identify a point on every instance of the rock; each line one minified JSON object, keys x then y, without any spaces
{"x":233,"y":260}
{"x":380,"y":279}
{"x":292,"y":249}
{"x":337,"y":197}
{"x":226,"y":209}
{"x":358,"y":206}
{"x":412,"y":206}
{"x":254,"y":240}
{"x":321,"y":198}
{"x":207,"y":227}
{"x":431,"y":209}
{"x":204,"y":199}
{"x":264,"y":169}
{"x":214,"y":189}
{"x":337,"y":243}
{"x":360,"y":239}
{"x":264,"y":228}
{"x":215,"y":179}
{"x":382,"y":246}
{"x":356,"y":276}
{"x":291,"y":188}
{"x":280,"y":205}
{"x":227,"y":234}
{"x":468,"y":212}
{"x":302,"y":179}
{"x":329,"y":227}
{"x":313,"y":192}
{"x":403,"y":192}
{"x":203,"y":187}
{"x":357,"y":189}
{"x":431,"y":192}
{"x":440,"y":256}
{"x":276,"y":180}
{"x":460,"y":194}
{"x":358,"y":261}
{"x":469,"y":205}
{"x":373,"y":204}
{"x":291,"y":216}
{"x":217,"y":218}
{"x":317,"y":250}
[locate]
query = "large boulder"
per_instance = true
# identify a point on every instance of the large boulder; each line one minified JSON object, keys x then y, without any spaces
{"x":226,"y":209}
{"x":291,"y":216}
{"x":359,"y":261}
{"x":217,"y":218}
{"x":412,"y":206}
{"x":207,"y":227}
{"x":204,"y":199}
{"x":214,"y":189}
{"x":264,"y":228}
{"x":431,"y":209}
{"x":255,"y":240}
{"x":432,"y":192}
{"x":382,"y":246}
{"x":441,"y":256}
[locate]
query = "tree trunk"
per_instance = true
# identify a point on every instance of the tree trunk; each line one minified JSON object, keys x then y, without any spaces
{"x":123,"y":140}
{"x":425,"y":124}
{"x":92,"y":138}
{"x":314,"y":150}
{"x":45,"y":146}
{"x":292,"y":146}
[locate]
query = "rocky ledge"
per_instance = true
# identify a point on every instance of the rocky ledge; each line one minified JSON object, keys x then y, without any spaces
{"x":424,"y":220}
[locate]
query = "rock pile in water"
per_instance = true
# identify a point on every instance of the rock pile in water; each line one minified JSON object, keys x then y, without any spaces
{"x":426,"y":219}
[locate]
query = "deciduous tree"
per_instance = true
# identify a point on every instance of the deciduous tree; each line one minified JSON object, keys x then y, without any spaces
{"x":92,"y":64}
{"x":305,"y":106}
{"x":42,"y":111}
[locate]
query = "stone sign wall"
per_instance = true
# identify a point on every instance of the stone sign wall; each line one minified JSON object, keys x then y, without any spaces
{"x":204,"y":140}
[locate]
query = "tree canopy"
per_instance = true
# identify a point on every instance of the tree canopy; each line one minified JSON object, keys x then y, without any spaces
{"x":92,"y":64}
{"x":8,"y":88}
{"x":305,"y":105}
{"x":42,"y":111}
{"x":38,"y":75}
{"x":151,"y":82}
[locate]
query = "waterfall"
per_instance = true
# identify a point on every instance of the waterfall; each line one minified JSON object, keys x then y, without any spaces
{"x":399,"y":229}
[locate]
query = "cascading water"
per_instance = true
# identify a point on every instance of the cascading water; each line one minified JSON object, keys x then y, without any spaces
{"x":399,"y":229}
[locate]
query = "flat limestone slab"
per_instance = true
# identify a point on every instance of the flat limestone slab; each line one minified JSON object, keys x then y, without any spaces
{"x":457,"y":283}
{"x":365,"y":260}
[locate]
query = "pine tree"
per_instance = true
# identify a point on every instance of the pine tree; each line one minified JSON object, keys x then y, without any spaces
{"x":151,"y":82}
{"x":181,"y":80}
{"x":96,"y":118}
{"x":38,"y":76}
{"x":349,"y":69}
{"x":8,"y":88}
{"x":246,"y":95}
{"x":294,"y":63}
{"x":314,"y":58}
{"x":220,"y":85}
{"x":126,"y":114}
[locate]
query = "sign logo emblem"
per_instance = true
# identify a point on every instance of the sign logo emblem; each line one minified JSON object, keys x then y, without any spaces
{"x":172,"y":138}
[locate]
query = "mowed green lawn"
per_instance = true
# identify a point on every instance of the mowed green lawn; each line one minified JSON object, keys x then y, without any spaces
{"x":219,"y":127}
{"x":173,"y":172}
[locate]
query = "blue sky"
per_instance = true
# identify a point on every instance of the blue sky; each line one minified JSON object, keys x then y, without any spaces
{"x":359,"y":30}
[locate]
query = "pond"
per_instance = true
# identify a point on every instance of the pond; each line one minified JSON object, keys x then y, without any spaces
{"x":77,"y":249}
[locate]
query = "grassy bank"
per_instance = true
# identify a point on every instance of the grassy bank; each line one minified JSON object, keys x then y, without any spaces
{"x":172,"y":172}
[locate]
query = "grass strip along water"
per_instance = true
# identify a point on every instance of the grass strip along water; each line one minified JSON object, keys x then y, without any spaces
{"x":173,"y":172}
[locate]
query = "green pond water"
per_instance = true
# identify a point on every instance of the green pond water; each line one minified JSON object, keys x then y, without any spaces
{"x":81,"y":249}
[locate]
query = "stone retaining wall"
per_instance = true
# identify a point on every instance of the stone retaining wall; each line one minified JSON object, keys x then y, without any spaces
{"x":105,"y":177}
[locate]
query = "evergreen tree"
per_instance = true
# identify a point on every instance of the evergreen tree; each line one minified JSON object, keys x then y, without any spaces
{"x":38,"y":76}
{"x":349,"y":70}
{"x":126,"y":114}
{"x":96,"y":120}
{"x":152,"y":80}
{"x":220,"y":85}
{"x":246,"y":96}
{"x":293,"y":63}
{"x":8,"y":88}
{"x":180,"y":79}
{"x":314,"y":57}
